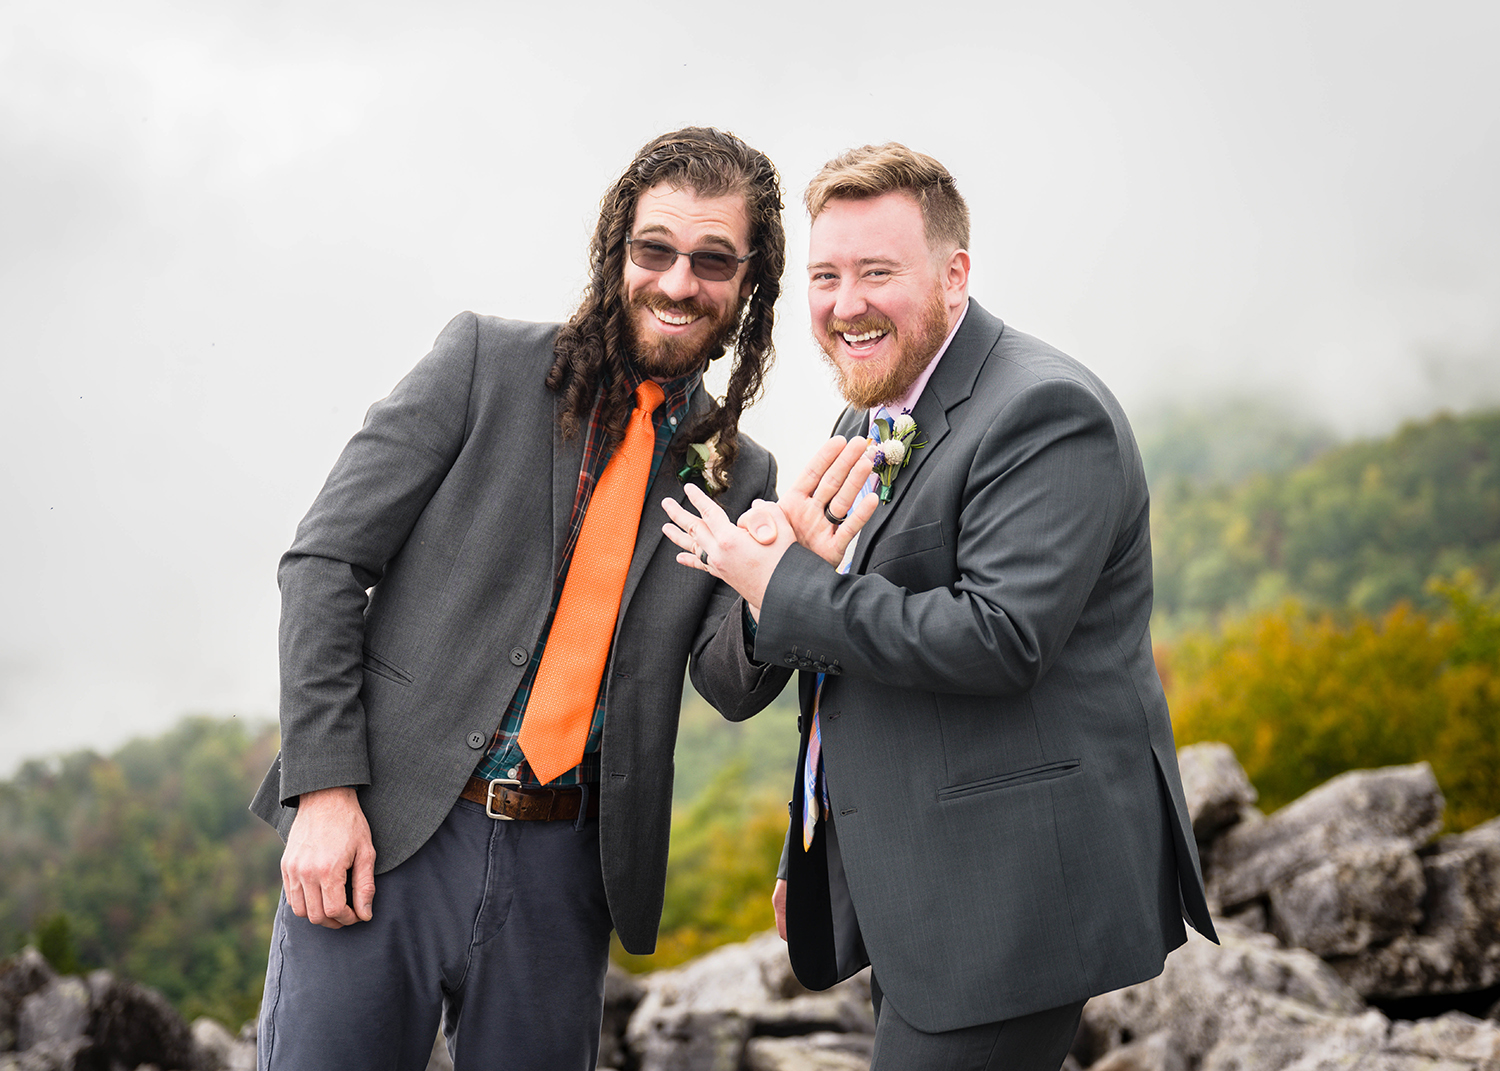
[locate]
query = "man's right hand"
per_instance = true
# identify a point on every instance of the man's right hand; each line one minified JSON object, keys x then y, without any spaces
{"x":330,"y":838}
{"x":778,"y":905}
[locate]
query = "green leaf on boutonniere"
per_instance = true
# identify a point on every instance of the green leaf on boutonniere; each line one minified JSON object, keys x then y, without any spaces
{"x":699,"y":462}
{"x":892,"y":443}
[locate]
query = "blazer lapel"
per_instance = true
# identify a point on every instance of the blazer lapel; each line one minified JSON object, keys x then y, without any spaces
{"x":567,"y":466}
{"x":950,"y":386}
{"x":664,"y":484}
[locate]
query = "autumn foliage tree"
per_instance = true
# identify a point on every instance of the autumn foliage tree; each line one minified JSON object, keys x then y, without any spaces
{"x":1302,"y":696}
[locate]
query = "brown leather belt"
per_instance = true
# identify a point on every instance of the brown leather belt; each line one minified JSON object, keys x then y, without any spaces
{"x":507,"y":801}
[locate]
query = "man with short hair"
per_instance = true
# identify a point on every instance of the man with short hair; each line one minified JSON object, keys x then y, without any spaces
{"x":483,"y":648}
{"x":988,"y":807}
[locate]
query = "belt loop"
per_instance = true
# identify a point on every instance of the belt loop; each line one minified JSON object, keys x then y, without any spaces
{"x":583,"y":807}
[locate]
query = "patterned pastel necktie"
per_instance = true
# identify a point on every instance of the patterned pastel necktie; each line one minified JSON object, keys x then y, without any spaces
{"x":555,"y":727}
{"x":815,"y":802}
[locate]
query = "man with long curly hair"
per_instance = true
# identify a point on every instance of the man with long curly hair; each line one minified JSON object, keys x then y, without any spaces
{"x":483,"y":643}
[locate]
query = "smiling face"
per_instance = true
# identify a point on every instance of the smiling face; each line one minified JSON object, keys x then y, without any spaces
{"x":676,"y":318}
{"x":881,"y":300}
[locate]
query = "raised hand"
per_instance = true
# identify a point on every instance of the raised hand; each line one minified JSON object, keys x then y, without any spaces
{"x":820,"y":505}
{"x":714,"y":544}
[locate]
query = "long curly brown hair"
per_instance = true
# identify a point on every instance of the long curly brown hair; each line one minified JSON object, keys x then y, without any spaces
{"x":592,"y":347}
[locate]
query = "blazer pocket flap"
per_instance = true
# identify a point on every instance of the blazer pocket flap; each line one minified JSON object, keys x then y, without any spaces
{"x":1048,"y":772}
{"x":905,"y":543}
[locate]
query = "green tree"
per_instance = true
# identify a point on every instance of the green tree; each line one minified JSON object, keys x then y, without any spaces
{"x":151,"y":860}
{"x":54,"y":940}
{"x":1360,"y":528}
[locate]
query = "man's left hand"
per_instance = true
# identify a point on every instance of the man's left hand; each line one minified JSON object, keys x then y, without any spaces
{"x":714,"y":544}
{"x":824,"y":504}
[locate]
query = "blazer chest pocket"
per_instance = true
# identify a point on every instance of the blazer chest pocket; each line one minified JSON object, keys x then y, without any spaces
{"x":373,"y":663}
{"x":918,"y":558}
{"x":1049,"y":772}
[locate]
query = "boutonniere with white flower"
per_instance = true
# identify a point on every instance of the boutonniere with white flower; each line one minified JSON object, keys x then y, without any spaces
{"x":891,"y":445}
{"x":701,"y":461}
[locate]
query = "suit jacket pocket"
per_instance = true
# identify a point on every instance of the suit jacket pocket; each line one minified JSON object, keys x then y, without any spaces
{"x":373,"y":663}
{"x":1047,"y":772}
{"x":906,"y":543}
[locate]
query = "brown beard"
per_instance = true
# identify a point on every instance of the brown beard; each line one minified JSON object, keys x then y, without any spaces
{"x":913,"y":355}
{"x":669,"y":358}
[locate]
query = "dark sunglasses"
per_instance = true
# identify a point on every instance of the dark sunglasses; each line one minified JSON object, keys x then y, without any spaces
{"x":708,"y":264}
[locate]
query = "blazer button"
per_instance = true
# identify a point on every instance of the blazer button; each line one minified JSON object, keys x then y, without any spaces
{"x":517,"y":656}
{"x":477,"y":740}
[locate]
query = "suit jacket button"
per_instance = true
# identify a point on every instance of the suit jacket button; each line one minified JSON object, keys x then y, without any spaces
{"x":790,"y":660}
{"x":517,"y":656}
{"x":477,"y":740}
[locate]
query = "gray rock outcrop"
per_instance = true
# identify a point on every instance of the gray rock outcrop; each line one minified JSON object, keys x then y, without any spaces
{"x":824,"y":1051}
{"x":1363,"y":895}
{"x":1455,"y":945}
{"x":1217,"y":789}
{"x":1349,"y":871}
{"x":20,"y":976}
{"x":57,"y":1012}
{"x":1397,"y":804}
{"x":1254,"y":1005}
{"x":741,"y":1006}
{"x":222,"y":1050}
{"x":69,"y":1023}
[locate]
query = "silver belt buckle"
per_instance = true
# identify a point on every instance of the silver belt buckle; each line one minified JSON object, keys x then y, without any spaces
{"x":490,"y":796}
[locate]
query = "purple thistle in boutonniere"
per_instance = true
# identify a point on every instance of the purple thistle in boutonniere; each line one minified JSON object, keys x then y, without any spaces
{"x":701,"y":462}
{"x":891,"y":445}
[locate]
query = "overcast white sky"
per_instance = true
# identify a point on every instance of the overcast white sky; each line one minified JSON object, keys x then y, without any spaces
{"x":226,"y":228}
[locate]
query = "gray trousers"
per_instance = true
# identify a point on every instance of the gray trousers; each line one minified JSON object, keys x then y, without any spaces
{"x":499,"y":930}
{"x":1037,"y":1042}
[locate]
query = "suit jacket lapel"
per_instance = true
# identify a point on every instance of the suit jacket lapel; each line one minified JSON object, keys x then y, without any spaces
{"x":567,"y":465}
{"x":664,"y":484}
{"x":950,"y":386}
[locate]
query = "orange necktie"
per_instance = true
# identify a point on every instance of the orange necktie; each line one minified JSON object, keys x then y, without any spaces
{"x":556,"y":724}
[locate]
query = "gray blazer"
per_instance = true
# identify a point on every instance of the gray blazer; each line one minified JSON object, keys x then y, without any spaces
{"x":419,"y":582}
{"x":1000,"y":760}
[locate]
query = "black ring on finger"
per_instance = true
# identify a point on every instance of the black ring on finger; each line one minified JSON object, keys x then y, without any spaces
{"x":703,"y":555}
{"x":835,"y":521}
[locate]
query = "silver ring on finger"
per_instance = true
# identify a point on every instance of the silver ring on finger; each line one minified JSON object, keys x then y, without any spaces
{"x":831,"y":519}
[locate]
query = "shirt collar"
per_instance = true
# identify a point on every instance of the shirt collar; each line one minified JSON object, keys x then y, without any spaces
{"x":678,"y":391}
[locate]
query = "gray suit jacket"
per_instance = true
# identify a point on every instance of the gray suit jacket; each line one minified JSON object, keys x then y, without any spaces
{"x":419,"y":582}
{"x":999,"y":755}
